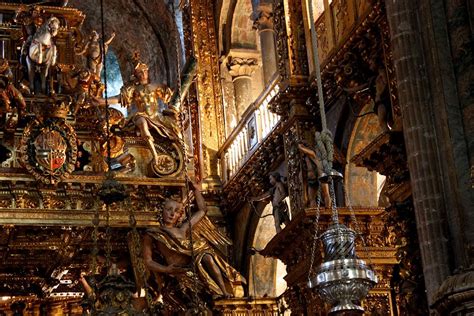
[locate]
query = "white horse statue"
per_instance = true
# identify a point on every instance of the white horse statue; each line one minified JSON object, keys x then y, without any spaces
{"x":42,"y":53}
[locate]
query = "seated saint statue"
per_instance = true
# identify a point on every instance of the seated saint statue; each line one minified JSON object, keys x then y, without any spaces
{"x":171,"y":243}
{"x":142,"y":101}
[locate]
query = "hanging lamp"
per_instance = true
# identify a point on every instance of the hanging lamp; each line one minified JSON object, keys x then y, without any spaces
{"x":342,"y":280}
{"x":113,"y":294}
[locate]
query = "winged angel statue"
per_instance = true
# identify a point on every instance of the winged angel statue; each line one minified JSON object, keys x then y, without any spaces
{"x":197,"y":270}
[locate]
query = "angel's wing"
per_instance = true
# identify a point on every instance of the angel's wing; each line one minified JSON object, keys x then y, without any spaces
{"x":207,"y":230}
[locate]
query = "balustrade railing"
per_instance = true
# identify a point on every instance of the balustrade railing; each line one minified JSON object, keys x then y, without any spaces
{"x":256,"y":124}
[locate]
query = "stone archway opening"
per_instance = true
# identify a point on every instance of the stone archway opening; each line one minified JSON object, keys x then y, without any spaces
{"x":364,"y":187}
{"x":266,"y":275}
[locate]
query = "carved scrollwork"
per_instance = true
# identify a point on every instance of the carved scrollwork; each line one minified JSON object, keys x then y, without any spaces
{"x":170,"y":160}
{"x":295,"y":184}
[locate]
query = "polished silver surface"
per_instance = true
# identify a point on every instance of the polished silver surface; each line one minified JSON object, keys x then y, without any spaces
{"x":342,"y":280}
{"x":333,"y":174}
{"x":339,"y":242}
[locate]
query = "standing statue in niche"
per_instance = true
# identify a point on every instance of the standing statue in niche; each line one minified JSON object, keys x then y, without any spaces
{"x":381,"y":94}
{"x":92,"y":50}
{"x":277,"y":195}
{"x":167,"y":252}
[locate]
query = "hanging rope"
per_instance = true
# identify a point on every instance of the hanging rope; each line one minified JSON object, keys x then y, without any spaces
{"x":104,"y":63}
{"x":324,"y":139}
{"x":181,"y":119}
{"x":325,"y":148}
{"x":317,"y":65}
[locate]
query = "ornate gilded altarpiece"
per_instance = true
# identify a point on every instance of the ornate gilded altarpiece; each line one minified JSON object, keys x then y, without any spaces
{"x":53,"y":160}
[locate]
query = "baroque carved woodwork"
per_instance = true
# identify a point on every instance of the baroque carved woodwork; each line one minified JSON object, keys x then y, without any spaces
{"x":351,"y":66}
{"x":292,"y":246}
{"x":208,"y":82}
{"x":386,"y":154}
{"x":249,"y":180}
{"x":291,"y":45}
{"x":55,"y":150}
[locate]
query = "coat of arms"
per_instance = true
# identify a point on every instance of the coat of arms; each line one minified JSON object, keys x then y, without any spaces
{"x":49,"y":150}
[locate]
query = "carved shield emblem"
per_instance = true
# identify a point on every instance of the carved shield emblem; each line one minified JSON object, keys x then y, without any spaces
{"x":50,"y":149}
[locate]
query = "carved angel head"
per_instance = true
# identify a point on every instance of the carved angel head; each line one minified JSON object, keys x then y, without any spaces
{"x":172,"y":213}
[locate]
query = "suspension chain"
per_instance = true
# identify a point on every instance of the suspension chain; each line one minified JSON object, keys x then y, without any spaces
{"x":104,"y":64}
{"x":95,"y":236}
{"x":185,"y":155}
{"x":316,"y":237}
{"x":108,"y":245}
{"x":137,"y":251}
{"x":356,"y":224}
{"x":332,"y":193}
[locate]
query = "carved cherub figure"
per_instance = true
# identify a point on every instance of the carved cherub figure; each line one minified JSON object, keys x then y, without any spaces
{"x":277,"y":195}
{"x":8,"y":92}
{"x":171,"y":243}
{"x":88,"y":89}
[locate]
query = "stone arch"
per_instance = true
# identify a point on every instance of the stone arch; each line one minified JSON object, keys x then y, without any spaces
{"x":151,"y":33}
{"x":363,"y":186}
{"x":227,"y":8}
{"x":243,"y":36}
{"x":265,"y":274}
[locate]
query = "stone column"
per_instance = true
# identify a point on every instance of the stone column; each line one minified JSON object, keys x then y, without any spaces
{"x":263,"y":23}
{"x":241,"y":70}
{"x":413,"y":47}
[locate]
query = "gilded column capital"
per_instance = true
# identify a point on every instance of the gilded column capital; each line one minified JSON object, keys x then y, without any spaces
{"x":263,"y":17}
{"x":241,"y":66}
